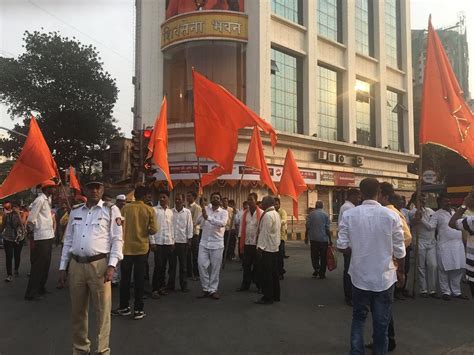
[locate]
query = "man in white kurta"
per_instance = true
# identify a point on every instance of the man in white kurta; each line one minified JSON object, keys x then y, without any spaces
{"x":451,"y":256}
{"x":427,"y":260}
{"x":213,"y":221}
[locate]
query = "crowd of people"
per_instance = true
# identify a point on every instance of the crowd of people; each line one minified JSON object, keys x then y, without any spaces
{"x":106,"y":244}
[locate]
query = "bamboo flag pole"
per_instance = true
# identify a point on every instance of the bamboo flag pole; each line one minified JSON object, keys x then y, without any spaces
{"x":417,"y":228}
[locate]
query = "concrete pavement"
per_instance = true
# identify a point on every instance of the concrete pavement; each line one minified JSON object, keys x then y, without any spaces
{"x":311,"y":318}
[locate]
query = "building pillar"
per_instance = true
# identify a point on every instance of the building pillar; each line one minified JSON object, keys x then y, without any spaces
{"x":258,"y":80}
{"x":349,"y":77}
{"x":310,"y":71}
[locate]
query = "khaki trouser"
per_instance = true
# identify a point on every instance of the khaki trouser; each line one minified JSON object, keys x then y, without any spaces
{"x":86,"y":281}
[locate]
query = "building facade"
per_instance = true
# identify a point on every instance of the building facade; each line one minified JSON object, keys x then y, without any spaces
{"x":116,"y":165}
{"x":333,"y":77}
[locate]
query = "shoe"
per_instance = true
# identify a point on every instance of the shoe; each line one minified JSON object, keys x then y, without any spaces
{"x":9,"y":278}
{"x":262,"y":301}
{"x":34,"y":298}
{"x":155,"y":295}
{"x":241,"y":289}
{"x":44,"y":292}
{"x":195,"y":278}
{"x":399,"y":296}
{"x":461,"y":297}
{"x":322,"y":277}
{"x":391,"y":345}
{"x":139,"y":315}
{"x":446,"y":297}
{"x":369,"y":346}
{"x":315,"y":274}
{"x":204,"y":294}
{"x":215,"y":296}
{"x":286,"y":256}
{"x":163,"y":292}
{"x":125,"y":311}
{"x":424,"y":294}
{"x":434,"y":295}
{"x":185,"y":290}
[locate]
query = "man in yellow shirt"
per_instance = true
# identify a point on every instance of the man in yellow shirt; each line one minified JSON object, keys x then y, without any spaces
{"x":139,"y":223}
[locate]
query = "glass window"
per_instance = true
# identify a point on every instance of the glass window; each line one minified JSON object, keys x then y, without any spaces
{"x":328,"y":16}
{"x":220,"y":61}
{"x":289,"y":9}
{"x":392,"y":30}
{"x":364,"y":110}
{"x":394,"y":121}
{"x":327,"y":104}
{"x":285,"y":87}
{"x":363,"y":27}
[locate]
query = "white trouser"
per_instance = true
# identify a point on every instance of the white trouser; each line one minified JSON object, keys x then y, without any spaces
{"x":427,"y":268}
{"x":450,"y":281}
{"x":209,"y":263}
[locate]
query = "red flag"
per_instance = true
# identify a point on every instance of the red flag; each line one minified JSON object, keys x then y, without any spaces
{"x":158,"y":145}
{"x":34,"y":165}
{"x":256,"y":159}
{"x":292,"y":183}
{"x":218,"y":116}
{"x":73,"y":182}
{"x":446,"y":119}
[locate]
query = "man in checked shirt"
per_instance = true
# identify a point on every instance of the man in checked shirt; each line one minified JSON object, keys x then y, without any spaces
{"x":92,"y":247}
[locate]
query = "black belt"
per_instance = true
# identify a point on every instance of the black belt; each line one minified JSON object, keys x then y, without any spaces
{"x":88,"y":259}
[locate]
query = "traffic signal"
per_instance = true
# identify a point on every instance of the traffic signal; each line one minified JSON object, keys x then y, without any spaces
{"x":146,"y":135}
{"x":136,"y":152}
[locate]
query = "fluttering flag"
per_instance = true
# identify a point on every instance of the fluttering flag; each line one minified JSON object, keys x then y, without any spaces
{"x":292,"y":183}
{"x":34,"y":165}
{"x":158,"y":145}
{"x":73,"y":182}
{"x":446,"y":119}
{"x":256,"y":160}
{"x":218,"y":116}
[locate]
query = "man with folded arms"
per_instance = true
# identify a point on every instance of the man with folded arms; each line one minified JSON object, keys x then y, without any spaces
{"x":373,"y":235}
{"x":92,"y":247}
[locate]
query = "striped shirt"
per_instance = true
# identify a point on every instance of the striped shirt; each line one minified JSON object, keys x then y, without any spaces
{"x":467,"y":224}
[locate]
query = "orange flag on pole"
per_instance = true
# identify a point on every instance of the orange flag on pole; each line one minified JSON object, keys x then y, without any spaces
{"x":218,"y":116}
{"x":158,"y":145}
{"x":446,"y":119}
{"x":34,"y":165}
{"x":256,"y":159}
{"x":73,"y":182}
{"x":292,"y":183}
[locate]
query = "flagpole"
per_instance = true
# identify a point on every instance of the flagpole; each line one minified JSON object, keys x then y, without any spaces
{"x":418,"y":209}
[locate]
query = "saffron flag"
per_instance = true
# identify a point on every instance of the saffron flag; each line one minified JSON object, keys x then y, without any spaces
{"x":446,"y":119}
{"x":256,"y":159}
{"x":218,"y":116}
{"x":292,"y":183}
{"x":158,"y":145}
{"x":73,"y":182}
{"x":34,"y":165}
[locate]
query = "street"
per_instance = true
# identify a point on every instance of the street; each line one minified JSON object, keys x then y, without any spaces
{"x":310,"y":319}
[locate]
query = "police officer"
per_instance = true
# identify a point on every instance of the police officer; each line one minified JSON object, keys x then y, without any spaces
{"x":92,"y":247}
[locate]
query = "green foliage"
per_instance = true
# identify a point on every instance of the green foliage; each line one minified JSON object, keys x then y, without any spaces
{"x":62,"y":82}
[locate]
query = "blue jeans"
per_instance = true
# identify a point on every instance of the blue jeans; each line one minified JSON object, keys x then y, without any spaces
{"x":380,"y":304}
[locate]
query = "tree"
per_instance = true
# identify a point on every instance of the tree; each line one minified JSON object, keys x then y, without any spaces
{"x":63,"y":83}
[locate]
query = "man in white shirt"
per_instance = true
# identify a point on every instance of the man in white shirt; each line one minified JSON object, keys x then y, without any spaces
{"x":268,"y":244}
{"x":352,"y":200}
{"x":451,"y":254}
{"x":40,"y":220}
{"x":162,"y":244}
{"x":213,"y":221}
{"x":373,"y":235}
{"x":427,"y":259}
{"x":183,"y":235}
{"x":193,"y":270}
{"x":248,"y":242}
{"x":465,"y":223}
{"x":237,"y":219}
{"x":92,"y":247}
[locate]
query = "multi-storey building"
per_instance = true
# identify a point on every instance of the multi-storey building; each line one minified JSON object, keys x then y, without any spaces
{"x":334,"y":78}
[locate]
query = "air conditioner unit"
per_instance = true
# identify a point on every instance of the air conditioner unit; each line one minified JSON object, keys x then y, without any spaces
{"x":322,"y":155}
{"x":358,"y":160}
{"x":332,"y":157}
{"x":341,"y":159}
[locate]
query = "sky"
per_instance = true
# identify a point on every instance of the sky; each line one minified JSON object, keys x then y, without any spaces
{"x":109,"y":26}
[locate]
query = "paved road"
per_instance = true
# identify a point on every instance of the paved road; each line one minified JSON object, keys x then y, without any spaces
{"x":310,"y":319}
